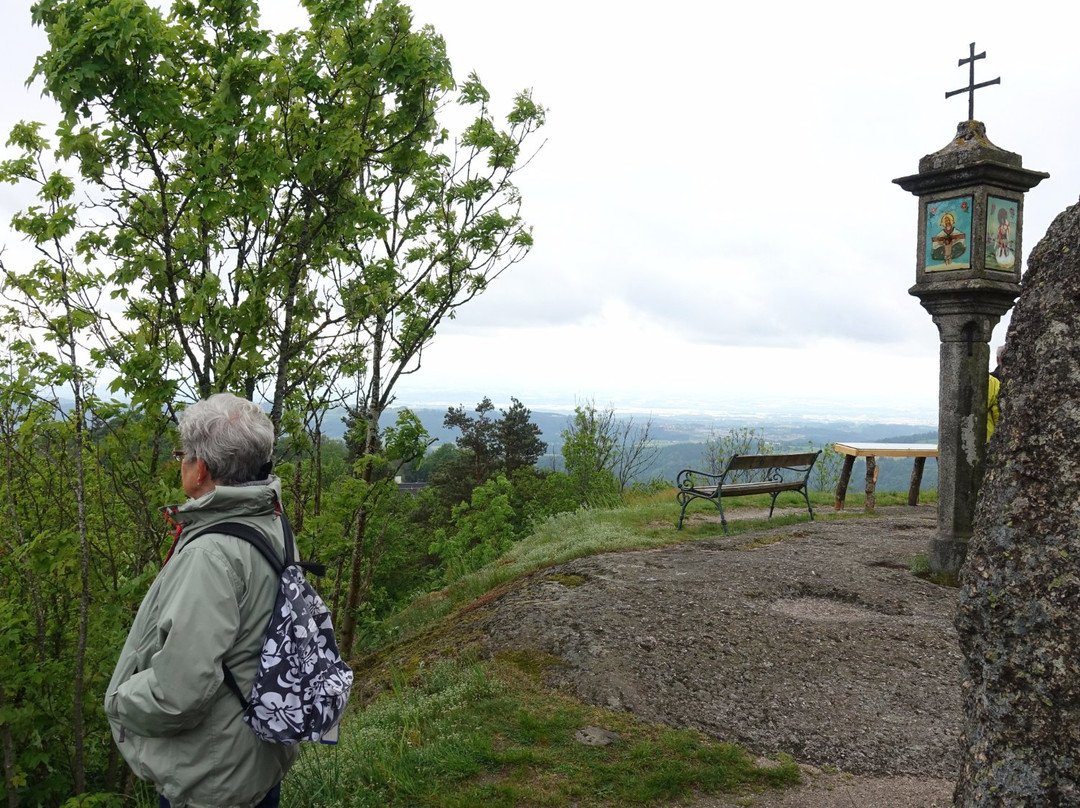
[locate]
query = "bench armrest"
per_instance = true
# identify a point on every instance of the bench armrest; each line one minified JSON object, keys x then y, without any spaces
{"x":689,"y":478}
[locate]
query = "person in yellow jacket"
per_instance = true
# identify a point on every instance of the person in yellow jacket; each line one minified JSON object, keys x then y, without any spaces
{"x":993,"y":407}
{"x":993,"y":411}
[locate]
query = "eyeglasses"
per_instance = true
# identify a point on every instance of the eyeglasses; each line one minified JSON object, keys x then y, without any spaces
{"x":178,"y":454}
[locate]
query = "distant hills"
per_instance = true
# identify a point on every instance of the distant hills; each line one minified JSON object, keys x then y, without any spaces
{"x":681,"y":439}
{"x":683,"y":428}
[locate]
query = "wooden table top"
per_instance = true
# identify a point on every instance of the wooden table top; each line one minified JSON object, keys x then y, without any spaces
{"x":887,"y":449}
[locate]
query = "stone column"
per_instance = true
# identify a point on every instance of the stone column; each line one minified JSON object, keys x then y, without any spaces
{"x":965,"y":328}
{"x":967,"y":275}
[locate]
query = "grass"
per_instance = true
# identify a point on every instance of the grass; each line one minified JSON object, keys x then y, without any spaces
{"x":464,"y":733}
{"x":920,"y":568}
{"x":453,"y":731}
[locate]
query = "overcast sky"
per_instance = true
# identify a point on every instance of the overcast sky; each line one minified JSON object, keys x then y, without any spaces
{"x":715,"y":220}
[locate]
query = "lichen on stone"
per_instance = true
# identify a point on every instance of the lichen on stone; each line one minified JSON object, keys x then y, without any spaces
{"x":1018,"y":618}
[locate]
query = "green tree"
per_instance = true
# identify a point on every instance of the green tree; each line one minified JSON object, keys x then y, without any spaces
{"x":827,"y":469}
{"x":509,"y":445}
{"x":441,"y":220}
{"x":479,"y":438}
{"x":519,"y":438}
{"x":590,"y":451}
{"x":268,"y":207}
{"x":49,"y":311}
{"x":598,"y":446}
{"x":635,"y":454}
{"x":364,"y":506}
{"x":445,"y":454}
{"x":482,"y":530}
{"x":509,"y":442}
{"x":741,"y":440}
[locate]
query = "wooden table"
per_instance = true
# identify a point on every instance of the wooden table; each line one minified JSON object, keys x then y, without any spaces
{"x":872,"y":451}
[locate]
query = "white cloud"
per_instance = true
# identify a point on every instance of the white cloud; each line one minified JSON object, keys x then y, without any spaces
{"x":717,"y":184}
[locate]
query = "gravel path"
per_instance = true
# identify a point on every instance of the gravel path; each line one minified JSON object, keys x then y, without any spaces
{"x":814,"y":640}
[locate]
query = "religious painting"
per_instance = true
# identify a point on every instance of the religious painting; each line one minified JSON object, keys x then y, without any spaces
{"x":948,"y":228}
{"x":1000,"y":233}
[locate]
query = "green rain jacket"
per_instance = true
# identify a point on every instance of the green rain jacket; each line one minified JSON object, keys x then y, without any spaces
{"x":173,"y":719}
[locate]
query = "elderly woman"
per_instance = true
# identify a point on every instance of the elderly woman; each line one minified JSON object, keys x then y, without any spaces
{"x":174,"y":720}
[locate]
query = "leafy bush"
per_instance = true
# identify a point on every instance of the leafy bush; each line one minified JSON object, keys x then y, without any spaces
{"x":741,"y":440}
{"x":481,"y":530}
{"x":826,"y":472}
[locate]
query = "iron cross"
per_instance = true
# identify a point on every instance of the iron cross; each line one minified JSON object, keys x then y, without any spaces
{"x":972,"y":86}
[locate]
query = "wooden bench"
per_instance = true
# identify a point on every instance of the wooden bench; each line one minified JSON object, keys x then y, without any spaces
{"x":767,"y":474}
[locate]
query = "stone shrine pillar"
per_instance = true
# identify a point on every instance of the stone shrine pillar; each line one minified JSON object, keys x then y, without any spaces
{"x":968,"y":262}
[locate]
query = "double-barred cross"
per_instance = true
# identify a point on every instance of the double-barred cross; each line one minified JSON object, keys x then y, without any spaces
{"x":972,"y":86}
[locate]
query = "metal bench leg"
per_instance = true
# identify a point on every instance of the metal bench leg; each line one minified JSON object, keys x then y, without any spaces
{"x":809,"y":507}
{"x":682,"y":513}
{"x":723,"y":519}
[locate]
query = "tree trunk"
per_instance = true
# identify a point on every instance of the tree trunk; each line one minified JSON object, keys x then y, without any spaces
{"x":112,"y":771}
{"x":298,"y":497}
{"x":77,"y":719}
{"x":352,"y":600}
{"x":335,"y":608}
{"x":318,"y":470}
{"x":9,"y":756}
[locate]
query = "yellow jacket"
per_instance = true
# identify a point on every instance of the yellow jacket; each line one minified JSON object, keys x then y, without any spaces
{"x":993,"y":411}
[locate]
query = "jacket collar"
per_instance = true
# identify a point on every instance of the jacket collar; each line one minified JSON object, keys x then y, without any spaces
{"x":258,"y":498}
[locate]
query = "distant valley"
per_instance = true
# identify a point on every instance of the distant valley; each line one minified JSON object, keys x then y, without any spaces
{"x":681,"y":439}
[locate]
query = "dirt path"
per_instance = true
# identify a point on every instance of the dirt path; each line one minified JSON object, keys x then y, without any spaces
{"x":815,"y":640}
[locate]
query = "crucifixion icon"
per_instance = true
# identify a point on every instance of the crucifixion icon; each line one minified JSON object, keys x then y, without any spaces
{"x":972,"y":86}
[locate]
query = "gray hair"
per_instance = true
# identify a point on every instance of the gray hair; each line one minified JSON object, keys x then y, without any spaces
{"x":231,"y":435}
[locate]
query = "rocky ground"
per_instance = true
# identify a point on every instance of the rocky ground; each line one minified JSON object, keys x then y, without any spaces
{"x":812,"y":639}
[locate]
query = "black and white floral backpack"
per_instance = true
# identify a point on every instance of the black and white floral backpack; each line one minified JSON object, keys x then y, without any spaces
{"x":302,"y":685}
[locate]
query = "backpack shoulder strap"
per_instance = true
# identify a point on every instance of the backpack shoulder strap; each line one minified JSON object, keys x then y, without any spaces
{"x":251,"y":536}
{"x":256,"y":538}
{"x":258,"y":541}
{"x":291,"y":551}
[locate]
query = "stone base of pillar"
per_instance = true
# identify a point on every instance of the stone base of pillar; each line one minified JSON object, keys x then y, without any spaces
{"x":947,"y":555}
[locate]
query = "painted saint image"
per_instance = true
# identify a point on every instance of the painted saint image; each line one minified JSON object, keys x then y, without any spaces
{"x":949,"y":243}
{"x":1000,"y":228}
{"x":948,"y":226}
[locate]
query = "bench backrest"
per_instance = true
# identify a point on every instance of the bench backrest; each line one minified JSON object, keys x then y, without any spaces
{"x":772,"y":467}
{"x":767,"y":461}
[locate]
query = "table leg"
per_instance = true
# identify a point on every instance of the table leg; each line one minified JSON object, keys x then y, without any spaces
{"x":916,"y":481}
{"x":871,"y":482}
{"x":842,"y":483}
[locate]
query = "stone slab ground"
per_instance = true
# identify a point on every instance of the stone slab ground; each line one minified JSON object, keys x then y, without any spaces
{"x":812,"y":639}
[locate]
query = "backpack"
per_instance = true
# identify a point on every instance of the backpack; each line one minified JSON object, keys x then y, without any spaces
{"x":302,"y":685}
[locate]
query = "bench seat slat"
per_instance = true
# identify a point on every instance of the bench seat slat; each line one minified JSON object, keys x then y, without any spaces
{"x":742,"y":489}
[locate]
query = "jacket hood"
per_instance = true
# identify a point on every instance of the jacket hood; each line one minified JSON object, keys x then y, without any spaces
{"x":258,"y":498}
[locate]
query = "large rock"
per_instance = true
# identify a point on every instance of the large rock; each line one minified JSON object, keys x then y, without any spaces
{"x":1019,"y":613}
